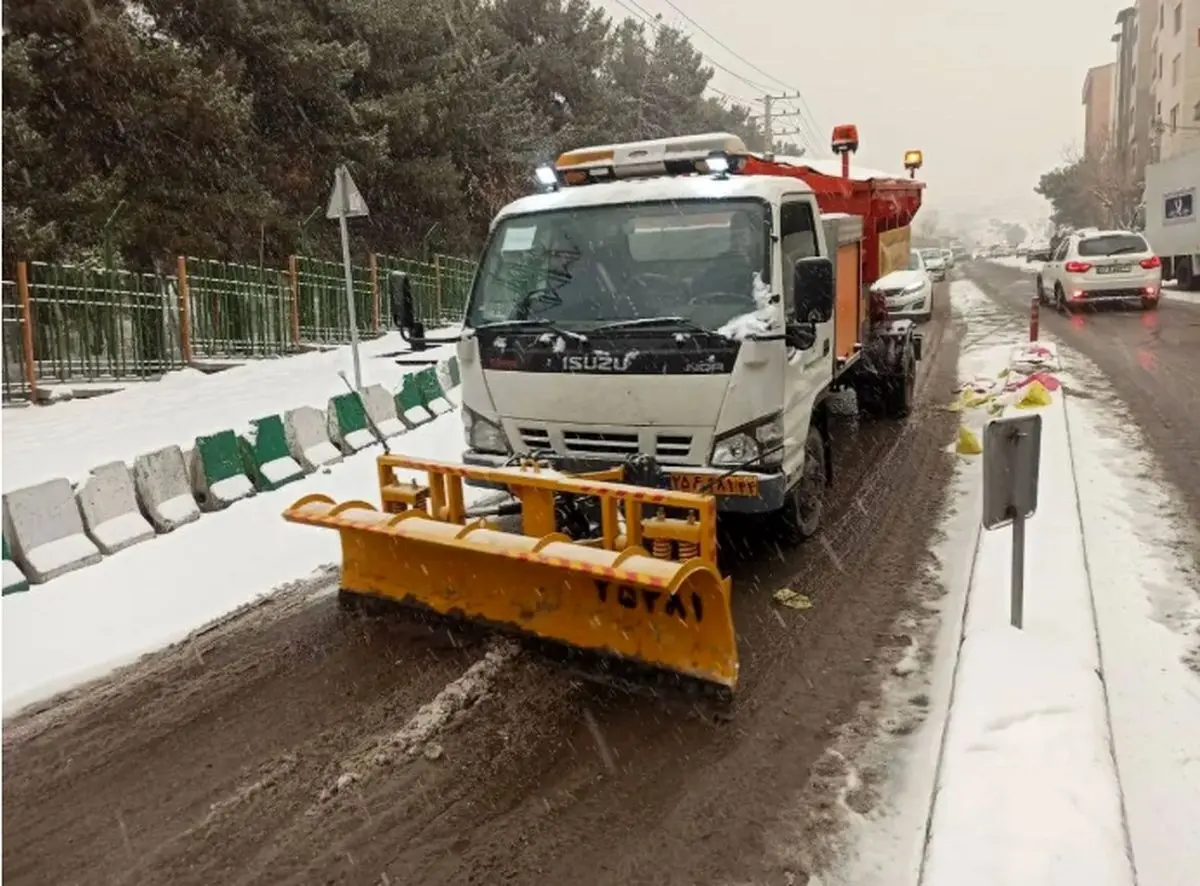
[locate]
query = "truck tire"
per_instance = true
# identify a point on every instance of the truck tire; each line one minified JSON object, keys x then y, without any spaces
{"x":887,"y":380}
{"x":1185,"y":276}
{"x":801,"y":516}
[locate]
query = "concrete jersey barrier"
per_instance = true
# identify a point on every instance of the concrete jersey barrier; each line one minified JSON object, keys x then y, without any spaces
{"x":265,"y":454}
{"x":307,"y":440}
{"x":346,"y":423}
{"x":164,"y":488}
{"x":45,"y":529}
{"x":382,"y":410}
{"x":109,"y":504}
{"x":432,"y":395}
{"x":218,"y":473}
{"x":14,"y":579}
{"x":410,"y":403}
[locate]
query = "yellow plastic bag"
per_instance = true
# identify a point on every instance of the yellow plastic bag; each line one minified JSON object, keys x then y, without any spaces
{"x":968,"y":442}
{"x":1035,"y":396}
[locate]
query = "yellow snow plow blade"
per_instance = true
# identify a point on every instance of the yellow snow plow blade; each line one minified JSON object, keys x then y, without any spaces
{"x":646,"y":589}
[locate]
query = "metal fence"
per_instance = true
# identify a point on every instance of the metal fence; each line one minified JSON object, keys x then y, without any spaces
{"x":15,"y":385}
{"x":89,"y":324}
{"x":237,"y":310}
{"x":100,"y":325}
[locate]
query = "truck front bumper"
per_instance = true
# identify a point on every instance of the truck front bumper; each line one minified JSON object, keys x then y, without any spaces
{"x":748,"y":493}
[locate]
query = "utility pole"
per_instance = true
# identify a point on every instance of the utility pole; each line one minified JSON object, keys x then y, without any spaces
{"x":769,"y":117}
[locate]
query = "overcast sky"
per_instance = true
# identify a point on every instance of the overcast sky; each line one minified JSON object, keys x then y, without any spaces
{"x":991,"y":92}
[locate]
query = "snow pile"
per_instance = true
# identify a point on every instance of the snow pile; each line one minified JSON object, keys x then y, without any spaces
{"x":760,"y":321}
{"x":1027,"y":791}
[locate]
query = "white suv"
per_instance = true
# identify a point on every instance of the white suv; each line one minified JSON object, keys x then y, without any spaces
{"x":1101,"y":267}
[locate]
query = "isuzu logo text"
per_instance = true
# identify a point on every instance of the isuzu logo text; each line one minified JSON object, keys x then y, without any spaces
{"x":597,"y":362}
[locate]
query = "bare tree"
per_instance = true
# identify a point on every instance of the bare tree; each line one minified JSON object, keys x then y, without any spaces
{"x":1110,"y":184}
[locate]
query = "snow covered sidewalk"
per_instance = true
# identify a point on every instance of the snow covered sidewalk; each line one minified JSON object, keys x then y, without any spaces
{"x":1027,"y":792}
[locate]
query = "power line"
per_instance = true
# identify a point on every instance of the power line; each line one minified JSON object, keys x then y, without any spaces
{"x":646,"y":18}
{"x":811,"y":119}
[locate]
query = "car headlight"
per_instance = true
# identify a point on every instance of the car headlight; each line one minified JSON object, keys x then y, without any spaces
{"x":912,"y":287}
{"x":483,"y":435}
{"x":758,"y":442}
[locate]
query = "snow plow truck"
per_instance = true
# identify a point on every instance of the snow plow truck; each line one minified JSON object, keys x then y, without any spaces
{"x":650,"y":341}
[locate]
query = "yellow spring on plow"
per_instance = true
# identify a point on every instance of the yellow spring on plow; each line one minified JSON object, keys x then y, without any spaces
{"x":608,"y":595}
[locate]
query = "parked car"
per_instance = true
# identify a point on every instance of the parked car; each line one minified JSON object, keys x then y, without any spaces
{"x":1101,"y":267}
{"x":948,"y":255}
{"x":960,"y":252}
{"x":935,"y":263}
{"x":909,"y":291}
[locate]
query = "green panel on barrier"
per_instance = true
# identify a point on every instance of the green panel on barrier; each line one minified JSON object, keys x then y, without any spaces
{"x":220,"y":456}
{"x":408,"y":397}
{"x":429,"y":386}
{"x":452,"y":371}
{"x":13,"y":571}
{"x":350,"y":414}
{"x":269,"y":446}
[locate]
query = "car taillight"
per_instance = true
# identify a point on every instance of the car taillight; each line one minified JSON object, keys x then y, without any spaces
{"x":1151,"y":263}
{"x":1077,"y":267}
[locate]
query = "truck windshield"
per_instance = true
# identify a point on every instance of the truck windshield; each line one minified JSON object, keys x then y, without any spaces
{"x":589,"y":266}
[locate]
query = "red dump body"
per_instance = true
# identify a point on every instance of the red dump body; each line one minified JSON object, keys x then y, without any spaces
{"x":883,"y":204}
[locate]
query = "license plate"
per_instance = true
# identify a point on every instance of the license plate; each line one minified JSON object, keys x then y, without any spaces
{"x":742,"y":485}
{"x":1113,"y":269}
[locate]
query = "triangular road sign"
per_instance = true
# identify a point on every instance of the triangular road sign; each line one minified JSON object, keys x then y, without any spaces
{"x":345,"y":199}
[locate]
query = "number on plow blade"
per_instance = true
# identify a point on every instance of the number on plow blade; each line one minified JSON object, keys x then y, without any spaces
{"x":651,"y":602}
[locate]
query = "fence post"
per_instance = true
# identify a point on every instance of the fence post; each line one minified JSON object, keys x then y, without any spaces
{"x":185,"y":310}
{"x":27,"y":330}
{"x":375,"y":293}
{"x":437,"y":285}
{"x":294,"y":285}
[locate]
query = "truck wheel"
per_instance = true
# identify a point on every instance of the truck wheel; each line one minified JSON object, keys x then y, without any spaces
{"x":900,"y":389}
{"x":806,"y":502}
{"x":1184,"y":277}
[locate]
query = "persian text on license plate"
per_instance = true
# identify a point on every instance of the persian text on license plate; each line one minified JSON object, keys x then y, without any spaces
{"x":739,"y":484}
{"x":1113,"y":269}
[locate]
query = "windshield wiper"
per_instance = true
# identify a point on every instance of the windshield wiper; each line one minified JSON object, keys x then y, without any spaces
{"x":532,"y":324}
{"x":640,"y":322}
{"x":1123,"y":250}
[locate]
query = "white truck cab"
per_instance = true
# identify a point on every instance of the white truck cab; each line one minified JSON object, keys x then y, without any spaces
{"x":653,"y":304}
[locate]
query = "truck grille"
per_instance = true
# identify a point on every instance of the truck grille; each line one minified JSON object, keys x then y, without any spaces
{"x":668,"y":448}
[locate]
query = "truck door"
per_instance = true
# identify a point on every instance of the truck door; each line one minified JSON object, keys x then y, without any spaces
{"x":806,"y":372}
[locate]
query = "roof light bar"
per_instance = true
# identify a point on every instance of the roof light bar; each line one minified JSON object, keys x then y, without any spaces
{"x":707,"y":152}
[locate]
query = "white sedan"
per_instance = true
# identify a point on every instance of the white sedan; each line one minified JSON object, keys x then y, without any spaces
{"x":908,"y":291}
{"x":935,"y":263}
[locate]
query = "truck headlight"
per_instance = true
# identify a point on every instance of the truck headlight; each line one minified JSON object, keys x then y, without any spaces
{"x":759,"y":442}
{"x":483,"y":435}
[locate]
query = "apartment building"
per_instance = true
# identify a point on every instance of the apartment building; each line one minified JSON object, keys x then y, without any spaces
{"x":1175,"y":77}
{"x":1124,"y":135}
{"x":1099,"y":87}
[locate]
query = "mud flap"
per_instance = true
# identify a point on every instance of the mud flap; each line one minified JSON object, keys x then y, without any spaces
{"x":607,"y":595}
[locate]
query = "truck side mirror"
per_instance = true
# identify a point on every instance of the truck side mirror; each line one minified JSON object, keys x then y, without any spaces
{"x":404,"y":315}
{"x":813,"y":289}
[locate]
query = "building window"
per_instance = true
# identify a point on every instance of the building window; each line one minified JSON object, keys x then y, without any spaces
{"x":1178,"y":17}
{"x":1160,"y":66}
{"x":1196,"y":112}
{"x":1175,"y":71}
{"x":1174,"y":119}
{"x":1160,"y":16}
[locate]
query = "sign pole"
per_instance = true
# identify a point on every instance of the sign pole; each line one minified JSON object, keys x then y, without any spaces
{"x":1017,"y":599}
{"x":343,"y":174}
{"x":1012,"y":452}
